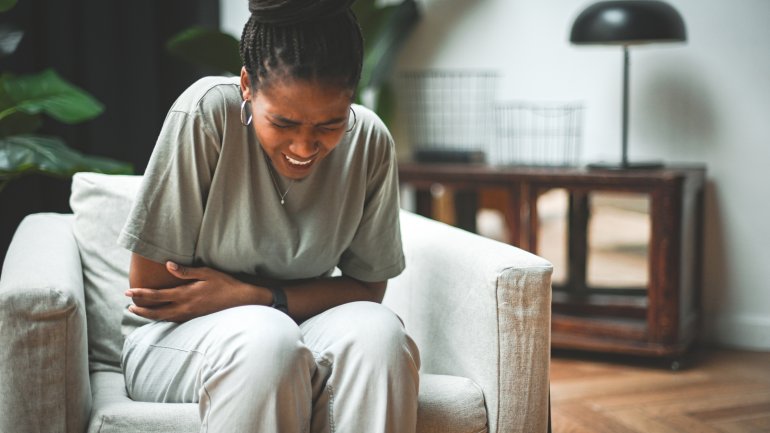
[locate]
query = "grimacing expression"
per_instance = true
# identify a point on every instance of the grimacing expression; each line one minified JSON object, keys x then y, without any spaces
{"x":298,"y":122}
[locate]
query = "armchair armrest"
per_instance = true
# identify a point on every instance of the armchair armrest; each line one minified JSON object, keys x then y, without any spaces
{"x":480,"y":309}
{"x":43,"y":341}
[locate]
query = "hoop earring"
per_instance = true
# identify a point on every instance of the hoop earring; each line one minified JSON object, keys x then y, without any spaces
{"x":355,"y":119}
{"x":244,"y":121}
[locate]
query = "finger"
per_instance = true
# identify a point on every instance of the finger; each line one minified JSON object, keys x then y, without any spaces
{"x":146,"y":312}
{"x":152,"y":313}
{"x":151,"y":295}
{"x":167,"y":312}
{"x":184,"y":272}
{"x":145,"y":303}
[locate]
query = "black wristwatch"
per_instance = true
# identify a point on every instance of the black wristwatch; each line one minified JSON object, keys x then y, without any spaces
{"x":279,"y":300}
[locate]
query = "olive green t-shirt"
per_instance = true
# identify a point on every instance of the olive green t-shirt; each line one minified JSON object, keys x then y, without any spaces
{"x":207,"y":198}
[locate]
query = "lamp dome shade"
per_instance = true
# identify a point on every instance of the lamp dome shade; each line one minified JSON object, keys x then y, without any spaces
{"x":628,"y":23}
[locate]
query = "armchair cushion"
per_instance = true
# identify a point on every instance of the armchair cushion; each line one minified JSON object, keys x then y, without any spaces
{"x":101,"y":204}
{"x":441,"y":398}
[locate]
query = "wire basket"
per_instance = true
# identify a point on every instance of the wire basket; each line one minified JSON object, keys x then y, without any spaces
{"x":449,"y":110}
{"x":537,"y":134}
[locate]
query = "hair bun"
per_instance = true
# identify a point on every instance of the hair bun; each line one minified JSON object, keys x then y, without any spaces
{"x":284,"y":12}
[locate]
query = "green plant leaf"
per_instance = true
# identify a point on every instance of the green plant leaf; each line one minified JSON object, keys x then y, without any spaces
{"x":396,"y":22}
{"x":10,"y":37}
{"x":385,"y":30}
{"x":26,"y":154}
{"x":6,"y":5}
{"x":208,"y":48}
{"x":385,"y":103}
{"x":5,"y":99}
{"x":369,"y":17}
{"x":48,"y":93}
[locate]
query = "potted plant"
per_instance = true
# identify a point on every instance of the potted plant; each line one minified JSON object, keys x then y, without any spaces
{"x":24,"y":99}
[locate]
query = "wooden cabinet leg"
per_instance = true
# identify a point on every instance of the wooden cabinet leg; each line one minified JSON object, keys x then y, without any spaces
{"x":577,"y":241}
{"x":466,"y":207}
{"x":424,"y":202}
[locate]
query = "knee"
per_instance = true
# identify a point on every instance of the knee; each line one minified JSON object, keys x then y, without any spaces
{"x":260,"y":339}
{"x":380,"y":336}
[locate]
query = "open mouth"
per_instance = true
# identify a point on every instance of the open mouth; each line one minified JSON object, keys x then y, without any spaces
{"x":297,"y":163}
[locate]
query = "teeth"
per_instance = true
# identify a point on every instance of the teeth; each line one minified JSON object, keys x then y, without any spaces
{"x":295,"y":162}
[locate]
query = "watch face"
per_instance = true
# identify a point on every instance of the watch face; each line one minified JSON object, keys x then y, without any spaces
{"x":279,"y":300}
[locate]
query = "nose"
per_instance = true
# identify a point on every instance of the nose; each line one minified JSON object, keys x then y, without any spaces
{"x":305,"y":146}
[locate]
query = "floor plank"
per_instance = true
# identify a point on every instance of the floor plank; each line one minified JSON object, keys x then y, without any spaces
{"x":708,"y":403}
{"x":641,"y":421}
{"x":733,"y":412}
{"x":676,"y":394}
{"x":687,"y":424}
{"x":760,"y":424}
{"x":724,"y":391}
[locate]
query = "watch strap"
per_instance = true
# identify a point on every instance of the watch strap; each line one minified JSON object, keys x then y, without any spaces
{"x":279,"y":300}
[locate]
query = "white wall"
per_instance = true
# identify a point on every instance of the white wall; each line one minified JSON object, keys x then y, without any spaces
{"x":706,"y":101}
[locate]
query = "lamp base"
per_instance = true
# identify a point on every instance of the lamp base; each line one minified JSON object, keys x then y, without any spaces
{"x":644,"y":165}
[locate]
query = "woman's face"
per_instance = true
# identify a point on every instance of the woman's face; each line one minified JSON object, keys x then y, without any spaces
{"x":298,"y":122}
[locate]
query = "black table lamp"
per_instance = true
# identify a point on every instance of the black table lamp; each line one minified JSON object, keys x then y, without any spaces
{"x":627,"y":23}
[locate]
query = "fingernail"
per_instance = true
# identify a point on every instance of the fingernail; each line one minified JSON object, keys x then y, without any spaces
{"x":129,"y":293}
{"x":172,"y":265}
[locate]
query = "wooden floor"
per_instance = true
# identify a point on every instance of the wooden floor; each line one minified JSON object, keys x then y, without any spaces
{"x":721,"y":391}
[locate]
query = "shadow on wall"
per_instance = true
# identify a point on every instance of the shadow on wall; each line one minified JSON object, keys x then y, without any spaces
{"x":676,"y":118}
{"x":439,"y":18}
{"x":676,"y":115}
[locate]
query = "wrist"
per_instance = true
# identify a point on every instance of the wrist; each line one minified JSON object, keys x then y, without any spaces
{"x":279,"y":300}
{"x":255,"y":295}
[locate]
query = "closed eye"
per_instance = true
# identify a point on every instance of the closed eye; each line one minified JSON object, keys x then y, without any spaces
{"x":331,"y":128}
{"x":281,"y":125}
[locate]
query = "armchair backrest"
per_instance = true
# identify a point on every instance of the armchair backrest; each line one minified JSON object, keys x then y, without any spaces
{"x":101,"y":204}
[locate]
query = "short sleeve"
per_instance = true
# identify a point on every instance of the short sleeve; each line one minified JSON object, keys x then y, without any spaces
{"x":166,"y":216}
{"x":375,"y":253}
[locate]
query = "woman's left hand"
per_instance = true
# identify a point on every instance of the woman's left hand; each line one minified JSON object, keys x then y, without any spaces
{"x":207,"y":291}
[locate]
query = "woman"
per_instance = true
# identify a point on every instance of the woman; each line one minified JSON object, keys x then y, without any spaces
{"x":258,"y":188}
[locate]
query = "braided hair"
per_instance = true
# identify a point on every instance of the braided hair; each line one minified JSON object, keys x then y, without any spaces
{"x":314,"y":40}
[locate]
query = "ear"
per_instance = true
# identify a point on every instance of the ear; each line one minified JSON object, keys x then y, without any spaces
{"x":245,"y":84}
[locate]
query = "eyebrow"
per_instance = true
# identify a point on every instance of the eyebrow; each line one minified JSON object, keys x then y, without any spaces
{"x":282,"y":119}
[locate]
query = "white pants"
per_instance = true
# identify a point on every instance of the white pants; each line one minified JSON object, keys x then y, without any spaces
{"x":350,"y":369}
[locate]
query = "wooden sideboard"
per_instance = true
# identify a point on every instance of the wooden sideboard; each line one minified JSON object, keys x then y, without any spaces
{"x":658,"y":320}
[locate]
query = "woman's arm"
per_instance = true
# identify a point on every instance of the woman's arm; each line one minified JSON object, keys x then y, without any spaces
{"x":308,"y":298}
{"x":162,"y":293}
{"x":179,"y":293}
{"x":146,"y":273}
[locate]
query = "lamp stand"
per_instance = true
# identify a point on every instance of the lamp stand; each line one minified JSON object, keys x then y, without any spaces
{"x":624,"y":163}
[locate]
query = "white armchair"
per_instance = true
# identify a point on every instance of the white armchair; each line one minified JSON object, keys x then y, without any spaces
{"x":479,"y":311}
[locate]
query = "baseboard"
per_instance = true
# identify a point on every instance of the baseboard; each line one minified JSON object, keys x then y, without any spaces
{"x":751,"y":332}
